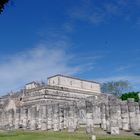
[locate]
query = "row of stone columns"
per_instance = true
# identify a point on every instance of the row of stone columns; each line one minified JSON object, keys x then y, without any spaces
{"x":111,"y":116}
{"x":44,"y":117}
{"x":118,"y":114}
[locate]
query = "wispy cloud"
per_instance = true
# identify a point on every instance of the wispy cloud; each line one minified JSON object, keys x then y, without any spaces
{"x":44,"y":60}
{"x":35,"y":64}
{"x":97,"y":13}
{"x":125,"y":67}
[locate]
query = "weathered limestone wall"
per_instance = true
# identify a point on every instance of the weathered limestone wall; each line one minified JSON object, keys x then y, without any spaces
{"x":49,"y":116}
{"x":74,"y":83}
{"x":114,"y":115}
{"x":125,"y":116}
{"x":105,"y":111}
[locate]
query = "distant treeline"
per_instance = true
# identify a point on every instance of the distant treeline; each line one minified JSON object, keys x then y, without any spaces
{"x":134,"y":95}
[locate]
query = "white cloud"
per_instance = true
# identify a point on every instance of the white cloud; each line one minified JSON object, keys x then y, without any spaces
{"x":36,"y":64}
{"x":40,"y":62}
{"x":125,"y":67}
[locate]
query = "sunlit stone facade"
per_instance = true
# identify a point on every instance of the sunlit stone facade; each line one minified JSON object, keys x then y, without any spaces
{"x":67,"y":103}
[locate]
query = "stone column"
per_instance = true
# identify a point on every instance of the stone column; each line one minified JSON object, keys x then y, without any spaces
{"x":56,"y":117}
{"x":114,"y":126}
{"x":137,"y":119}
{"x":10,"y":119}
{"x":29,"y":118}
{"x":125,"y":116}
{"x":103,"y":116}
{"x":23,"y":118}
{"x":107,"y":118}
{"x":89,"y":117}
{"x":71,"y":119}
{"x":132,"y":115}
{"x":76,"y":115}
{"x":96,"y":115}
{"x":6,"y":120}
{"x":61,"y":116}
{"x":43,"y":117}
{"x":93,"y":137}
{"x":38,"y":113}
{"x":33,"y":118}
{"x":1,"y":119}
{"x":49,"y":116}
{"x":119,"y":115}
{"x":82,"y":121}
{"x":139,"y":109}
{"x":66,"y":116}
{"x":113,"y":109}
{"x":17,"y":118}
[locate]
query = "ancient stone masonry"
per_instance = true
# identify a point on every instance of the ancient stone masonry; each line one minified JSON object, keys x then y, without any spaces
{"x":103,"y":117}
{"x":49,"y":116}
{"x":125,"y":116}
{"x":89,"y":117}
{"x":48,"y":107}
{"x":114,"y":115}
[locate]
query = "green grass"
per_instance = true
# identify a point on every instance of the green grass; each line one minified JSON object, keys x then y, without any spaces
{"x":22,"y":135}
{"x":118,"y":138}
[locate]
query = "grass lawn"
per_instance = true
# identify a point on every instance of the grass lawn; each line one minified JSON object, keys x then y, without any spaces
{"x":22,"y":135}
{"x":118,"y":138}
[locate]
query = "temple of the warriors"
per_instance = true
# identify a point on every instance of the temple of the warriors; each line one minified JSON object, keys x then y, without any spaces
{"x":67,"y":103}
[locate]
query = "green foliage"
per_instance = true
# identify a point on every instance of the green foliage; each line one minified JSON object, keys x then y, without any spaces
{"x":130,"y":95}
{"x":115,"y":87}
{"x":2,"y":5}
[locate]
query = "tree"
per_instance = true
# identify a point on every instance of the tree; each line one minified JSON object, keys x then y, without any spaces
{"x":116,"y":87}
{"x":2,"y":5}
{"x":130,"y":95}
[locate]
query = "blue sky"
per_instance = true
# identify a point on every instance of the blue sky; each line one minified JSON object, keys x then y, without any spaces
{"x":90,"y":39}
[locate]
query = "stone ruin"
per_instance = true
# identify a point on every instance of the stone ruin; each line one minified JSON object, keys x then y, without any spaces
{"x":67,"y":103}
